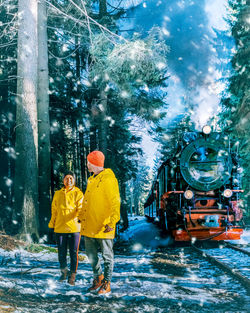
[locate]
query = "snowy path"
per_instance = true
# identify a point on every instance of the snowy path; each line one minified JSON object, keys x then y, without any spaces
{"x":144,"y":280}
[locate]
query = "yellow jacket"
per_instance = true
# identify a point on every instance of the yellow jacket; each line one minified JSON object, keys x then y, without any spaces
{"x":101,"y":205}
{"x":65,"y":209}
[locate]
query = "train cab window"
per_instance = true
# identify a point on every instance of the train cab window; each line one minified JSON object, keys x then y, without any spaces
{"x":205,"y":165}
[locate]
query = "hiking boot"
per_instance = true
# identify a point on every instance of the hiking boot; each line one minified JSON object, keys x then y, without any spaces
{"x":64,"y":274}
{"x":105,"y":287}
{"x":72,"y":279}
{"x":97,"y":282}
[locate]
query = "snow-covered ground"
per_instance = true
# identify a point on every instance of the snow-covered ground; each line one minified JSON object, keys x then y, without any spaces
{"x":146,"y":279}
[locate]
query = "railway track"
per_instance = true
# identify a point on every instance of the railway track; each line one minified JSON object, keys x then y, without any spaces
{"x":235,"y":273}
{"x":237,"y":248}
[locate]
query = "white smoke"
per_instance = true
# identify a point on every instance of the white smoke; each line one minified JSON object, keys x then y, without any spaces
{"x":206,"y":99}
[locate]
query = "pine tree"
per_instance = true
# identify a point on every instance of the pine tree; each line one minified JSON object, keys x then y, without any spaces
{"x":169,"y":136}
{"x":133,"y":71}
{"x":236,"y":114}
{"x":26,"y":170}
{"x":8,"y":51}
{"x":140,"y":186}
{"x":91,"y":106}
{"x":44,"y":160}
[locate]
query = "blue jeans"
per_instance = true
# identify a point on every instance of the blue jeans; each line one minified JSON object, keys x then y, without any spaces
{"x":71,"y":240}
{"x":106,"y":246}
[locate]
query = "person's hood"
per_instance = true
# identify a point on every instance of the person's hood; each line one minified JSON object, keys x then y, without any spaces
{"x":106,"y":173}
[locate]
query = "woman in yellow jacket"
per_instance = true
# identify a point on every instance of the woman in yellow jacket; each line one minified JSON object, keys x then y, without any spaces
{"x":99,"y":215}
{"x":66,"y":204}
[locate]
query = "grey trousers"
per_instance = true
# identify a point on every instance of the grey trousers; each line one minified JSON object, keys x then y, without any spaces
{"x":106,"y":246}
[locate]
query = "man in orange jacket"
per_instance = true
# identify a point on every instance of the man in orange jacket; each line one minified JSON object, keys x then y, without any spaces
{"x":66,"y":205}
{"x":99,"y":215}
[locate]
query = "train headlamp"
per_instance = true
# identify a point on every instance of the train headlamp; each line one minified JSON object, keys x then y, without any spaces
{"x":227,"y":193}
{"x":206,"y":130}
{"x":188,"y":194}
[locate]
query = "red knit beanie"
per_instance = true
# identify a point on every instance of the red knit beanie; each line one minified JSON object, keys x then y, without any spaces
{"x":96,"y":158}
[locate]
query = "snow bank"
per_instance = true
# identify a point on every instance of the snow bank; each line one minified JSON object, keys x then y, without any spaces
{"x":143,"y":234}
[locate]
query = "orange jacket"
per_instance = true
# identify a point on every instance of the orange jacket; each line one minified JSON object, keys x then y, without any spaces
{"x":65,"y":209}
{"x":101,"y":205}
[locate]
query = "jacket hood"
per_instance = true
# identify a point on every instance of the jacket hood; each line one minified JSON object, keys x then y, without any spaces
{"x":106,"y":173}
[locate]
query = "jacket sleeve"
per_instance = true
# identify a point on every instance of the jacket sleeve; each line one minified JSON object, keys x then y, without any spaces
{"x":53,"y":211}
{"x":113,"y":197}
{"x":79,"y":202}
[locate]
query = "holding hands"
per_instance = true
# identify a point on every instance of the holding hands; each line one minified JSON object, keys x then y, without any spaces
{"x":108,"y":229}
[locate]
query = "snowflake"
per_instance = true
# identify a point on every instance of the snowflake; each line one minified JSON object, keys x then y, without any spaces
{"x":124,"y":94}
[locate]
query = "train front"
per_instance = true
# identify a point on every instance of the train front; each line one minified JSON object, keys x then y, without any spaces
{"x":210,"y":206}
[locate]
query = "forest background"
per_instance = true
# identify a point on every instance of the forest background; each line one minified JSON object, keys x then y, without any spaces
{"x":73,"y":79}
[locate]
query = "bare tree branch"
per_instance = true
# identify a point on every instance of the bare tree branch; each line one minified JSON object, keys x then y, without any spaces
{"x":103,"y":28}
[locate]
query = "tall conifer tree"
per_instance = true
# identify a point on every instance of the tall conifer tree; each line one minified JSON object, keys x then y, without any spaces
{"x":26,"y":171}
{"x":236,"y":115}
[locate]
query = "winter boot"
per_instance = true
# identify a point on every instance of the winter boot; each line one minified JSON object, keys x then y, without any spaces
{"x":64,"y":274}
{"x":105,"y":287}
{"x":97,"y":282}
{"x":72,"y":279}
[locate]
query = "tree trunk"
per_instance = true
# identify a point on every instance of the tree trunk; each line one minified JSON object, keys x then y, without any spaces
{"x":80,"y":129}
{"x":26,"y":171}
{"x":6,"y":171}
{"x":102,"y":127}
{"x":83,"y":160}
{"x":102,"y":8}
{"x":93,"y":144}
{"x":124,"y":211}
{"x":44,"y":160}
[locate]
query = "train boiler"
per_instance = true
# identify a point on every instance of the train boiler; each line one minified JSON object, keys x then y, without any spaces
{"x":196,"y":193}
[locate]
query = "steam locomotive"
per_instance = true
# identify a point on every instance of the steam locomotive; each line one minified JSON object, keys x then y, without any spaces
{"x":196,"y":193}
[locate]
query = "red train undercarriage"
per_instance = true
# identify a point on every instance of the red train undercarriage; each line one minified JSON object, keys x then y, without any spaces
{"x":204,"y":220}
{"x":218,"y":233}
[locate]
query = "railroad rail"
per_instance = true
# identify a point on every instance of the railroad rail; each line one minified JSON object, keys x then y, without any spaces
{"x":229,"y":245}
{"x":242,"y":279}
